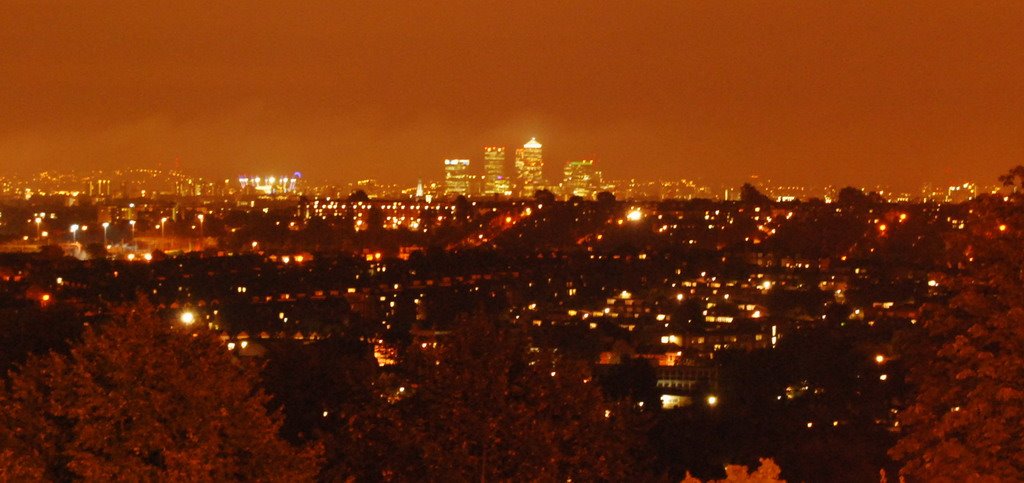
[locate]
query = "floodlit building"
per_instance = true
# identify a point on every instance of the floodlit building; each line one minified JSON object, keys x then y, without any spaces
{"x":456,"y":176}
{"x":581,"y":179}
{"x":495,"y":179}
{"x":530,"y":168}
{"x":270,"y":185}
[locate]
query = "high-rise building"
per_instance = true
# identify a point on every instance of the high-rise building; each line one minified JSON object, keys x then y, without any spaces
{"x":495,"y":180}
{"x":581,"y":179}
{"x":530,"y":168}
{"x":456,"y":176}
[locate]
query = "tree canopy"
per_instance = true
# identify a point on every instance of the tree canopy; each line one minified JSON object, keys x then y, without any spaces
{"x":966,"y":421}
{"x":142,"y":399}
{"x":487,"y":406}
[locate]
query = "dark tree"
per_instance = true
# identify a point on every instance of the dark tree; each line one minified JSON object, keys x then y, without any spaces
{"x":359,"y":195}
{"x":749,"y":194}
{"x":486,"y":407}
{"x":96,"y":250}
{"x":544,"y":196}
{"x":140,"y":399}
{"x":605,"y":198}
{"x":966,"y":362}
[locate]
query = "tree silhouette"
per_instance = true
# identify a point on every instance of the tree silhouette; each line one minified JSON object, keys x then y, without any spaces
{"x":544,"y":196}
{"x":605,"y":198}
{"x":487,"y":407}
{"x":358,"y":195}
{"x":966,"y":363}
{"x":140,"y":399}
{"x":749,"y":194}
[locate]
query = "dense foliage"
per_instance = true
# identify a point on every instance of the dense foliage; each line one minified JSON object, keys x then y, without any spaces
{"x":139,"y":399}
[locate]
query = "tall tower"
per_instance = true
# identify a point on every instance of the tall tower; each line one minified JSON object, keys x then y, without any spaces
{"x":580,"y":179}
{"x":495,"y":180}
{"x":530,"y":168}
{"x":456,"y":176}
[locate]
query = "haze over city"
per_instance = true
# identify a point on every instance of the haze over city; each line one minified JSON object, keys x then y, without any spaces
{"x":815,"y":93}
{"x":399,"y":241}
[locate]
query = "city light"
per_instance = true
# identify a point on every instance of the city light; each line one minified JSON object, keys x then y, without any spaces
{"x":712,"y":400}
{"x":635,"y":215}
{"x":187,"y":317}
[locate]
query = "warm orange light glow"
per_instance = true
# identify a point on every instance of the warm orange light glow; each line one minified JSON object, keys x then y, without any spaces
{"x":1002,"y":227}
{"x":882,"y":228}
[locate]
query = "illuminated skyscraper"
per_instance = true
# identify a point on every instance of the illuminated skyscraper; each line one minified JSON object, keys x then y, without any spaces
{"x":495,"y":180}
{"x":530,"y":168}
{"x":581,"y":179}
{"x":456,"y":176}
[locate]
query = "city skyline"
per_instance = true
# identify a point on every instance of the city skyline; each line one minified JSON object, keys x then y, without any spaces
{"x":813,"y":94}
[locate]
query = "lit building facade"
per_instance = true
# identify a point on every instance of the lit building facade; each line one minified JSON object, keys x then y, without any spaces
{"x":495,"y":179}
{"x":456,"y":176}
{"x":530,"y":168}
{"x":270,"y":185}
{"x":581,"y":179}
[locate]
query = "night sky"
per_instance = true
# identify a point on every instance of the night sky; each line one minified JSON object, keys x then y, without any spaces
{"x":813,"y":92}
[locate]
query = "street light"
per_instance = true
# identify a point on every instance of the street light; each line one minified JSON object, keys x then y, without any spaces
{"x":106,"y":224}
{"x":187,"y":318}
{"x":132,"y":223}
{"x":163,"y":225}
{"x":74,"y":233}
{"x":38,"y":220}
{"x":201,"y":219}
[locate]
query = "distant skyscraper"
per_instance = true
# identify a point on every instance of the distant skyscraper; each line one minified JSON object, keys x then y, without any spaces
{"x":456,"y":176}
{"x":495,"y":180}
{"x":530,"y":168}
{"x":581,"y":179}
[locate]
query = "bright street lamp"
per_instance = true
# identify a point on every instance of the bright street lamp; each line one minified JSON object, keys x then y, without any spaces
{"x":635,"y":215}
{"x":106,"y":224}
{"x":187,"y":318}
{"x":38,"y":220}
{"x":132,"y":223}
{"x":74,"y":233}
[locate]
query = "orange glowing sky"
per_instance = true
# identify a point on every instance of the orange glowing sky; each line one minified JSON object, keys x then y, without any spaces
{"x":815,"y":92}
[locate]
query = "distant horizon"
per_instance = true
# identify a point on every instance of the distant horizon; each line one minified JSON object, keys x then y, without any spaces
{"x":715,"y":189}
{"x":813,"y":93}
{"x":438,"y":177}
